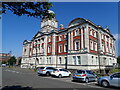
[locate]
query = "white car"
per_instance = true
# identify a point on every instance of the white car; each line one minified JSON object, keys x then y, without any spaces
{"x":59,"y":72}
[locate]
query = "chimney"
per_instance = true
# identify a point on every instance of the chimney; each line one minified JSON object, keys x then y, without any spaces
{"x":61,"y":27}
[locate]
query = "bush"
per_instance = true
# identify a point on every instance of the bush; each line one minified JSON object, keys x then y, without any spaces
{"x":114,"y":70}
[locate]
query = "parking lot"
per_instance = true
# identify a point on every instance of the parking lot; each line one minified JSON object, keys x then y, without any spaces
{"x":29,"y":78}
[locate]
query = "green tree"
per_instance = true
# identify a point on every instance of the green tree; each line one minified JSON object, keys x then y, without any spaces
{"x":12,"y":60}
{"x":118,"y":60}
{"x":19,"y":62}
{"x":35,"y":9}
{"x":4,"y":62}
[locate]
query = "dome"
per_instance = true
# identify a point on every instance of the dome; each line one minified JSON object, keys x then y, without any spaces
{"x":50,"y":11}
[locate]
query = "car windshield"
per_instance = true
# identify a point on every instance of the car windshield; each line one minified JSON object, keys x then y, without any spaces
{"x":80,"y":71}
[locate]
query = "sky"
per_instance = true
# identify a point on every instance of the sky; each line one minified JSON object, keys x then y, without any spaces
{"x":16,"y":29}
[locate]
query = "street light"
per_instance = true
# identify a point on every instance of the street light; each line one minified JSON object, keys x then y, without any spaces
{"x":36,"y":52}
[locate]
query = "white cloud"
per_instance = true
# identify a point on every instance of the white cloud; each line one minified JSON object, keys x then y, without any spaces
{"x":116,"y":36}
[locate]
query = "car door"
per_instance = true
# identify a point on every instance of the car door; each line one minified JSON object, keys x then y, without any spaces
{"x":115,"y":79}
{"x":89,"y":75}
{"x":62,"y":72}
{"x":65,"y":72}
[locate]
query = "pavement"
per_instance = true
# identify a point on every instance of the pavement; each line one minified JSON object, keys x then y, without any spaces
{"x":26,"y":78}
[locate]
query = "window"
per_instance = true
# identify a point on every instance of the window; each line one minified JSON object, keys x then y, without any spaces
{"x":95,"y":34}
{"x":92,"y":59}
{"x":76,"y":45}
{"x":65,"y":48}
{"x":91,"y":44}
{"x":50,"y":68}
{"x":65,"y":36}
{"x":81,"y":71}
{"x":47,"y":60}
{"x":60,"y":38}
{"x":49,"y":39}
{"x":60,"y":60}
{"x":91,"y":32}
{"x":66,"y":60}
{"x":79,"y":60}
{"x":48,"y":49}
{"x":76,"y":32}
{"x":95,"y":44}
{"x":117,"y":75}
{"x":50,"y":60}
{"x":60,"y":48}
{"x":74,"y":58}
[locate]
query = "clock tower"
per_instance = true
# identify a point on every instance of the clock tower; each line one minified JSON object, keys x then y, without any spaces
{"x":47,"y":25}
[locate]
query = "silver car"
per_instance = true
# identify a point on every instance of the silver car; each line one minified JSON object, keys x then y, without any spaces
{"x":112,"y":80}
{"x":45,"y":70}
{"x":84,"y":75}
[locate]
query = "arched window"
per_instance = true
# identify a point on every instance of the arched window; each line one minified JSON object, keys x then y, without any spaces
{"x":91,"y":32}
{"x":60,"y":60}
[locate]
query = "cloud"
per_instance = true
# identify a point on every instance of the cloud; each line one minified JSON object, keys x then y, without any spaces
{"x":116,"y":36}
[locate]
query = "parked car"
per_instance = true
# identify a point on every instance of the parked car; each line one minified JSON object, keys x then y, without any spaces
{"x":3,"y":65}
{"x":59,"y":72}
{"x":112,"y":80}
{"x":84,"y":75}
{"x":45,"y":70}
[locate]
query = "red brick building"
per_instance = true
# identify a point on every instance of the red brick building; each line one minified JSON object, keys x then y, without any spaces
{"x":82,"y":45}
{"x":4,"y":56}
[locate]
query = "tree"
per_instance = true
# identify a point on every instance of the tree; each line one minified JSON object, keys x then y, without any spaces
{"x":12,"y":60}
{"x":4,"y":62}
{"x":35,"y":9}
{"x":118,"y":60}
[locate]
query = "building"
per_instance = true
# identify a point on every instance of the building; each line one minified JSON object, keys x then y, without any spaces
{"x":82,"y":45}
{"x":4,"y":57}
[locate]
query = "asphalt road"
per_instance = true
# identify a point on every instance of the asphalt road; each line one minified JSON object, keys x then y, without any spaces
{"x":25,"y":78}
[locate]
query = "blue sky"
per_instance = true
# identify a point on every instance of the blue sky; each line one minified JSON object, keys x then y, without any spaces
{"x":16,"y":29}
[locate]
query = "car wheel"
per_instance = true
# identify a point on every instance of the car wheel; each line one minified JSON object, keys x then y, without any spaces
{"x":48,"y":74}
{"x":86,"y":80}
{"x":59,"y":75}
{"x":105,"y":83}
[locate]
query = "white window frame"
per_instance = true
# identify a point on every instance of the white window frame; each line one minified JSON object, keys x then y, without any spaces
{"x":95,"y":34}
{"x":49,"y":49}
{"x":65,"y":48}
{"x":60,"y":38}
{"x":59,"y":48}
{"x":76,"y":44}
{"x":76,"y":32}
{"x":91,"y":32}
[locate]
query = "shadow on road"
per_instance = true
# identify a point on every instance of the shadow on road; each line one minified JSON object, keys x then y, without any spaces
{"x":111,"y":87}
{"x":16,"y":88}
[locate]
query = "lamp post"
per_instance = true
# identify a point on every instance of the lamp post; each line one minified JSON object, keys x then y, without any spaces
{"x":36,"y":52}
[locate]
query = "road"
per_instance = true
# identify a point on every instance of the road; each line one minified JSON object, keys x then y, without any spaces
{"x":17,"y":77}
